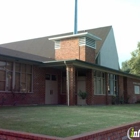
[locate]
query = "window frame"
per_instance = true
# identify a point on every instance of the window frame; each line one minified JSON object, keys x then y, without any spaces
{"x":6,"y":70}
{"x":138,"y":89}
{"x":113,"y":79}
{"x":99,"y":83}
{"x":13,"y":77}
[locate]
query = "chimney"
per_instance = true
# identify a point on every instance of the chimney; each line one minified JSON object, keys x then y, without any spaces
{"x":77,"y":46}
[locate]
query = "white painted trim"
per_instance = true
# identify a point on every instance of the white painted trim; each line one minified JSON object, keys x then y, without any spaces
{"x":100,"y":94}
{"x":87,"y":46}
{"x":86,"y":34}
{"x":56,"y":48}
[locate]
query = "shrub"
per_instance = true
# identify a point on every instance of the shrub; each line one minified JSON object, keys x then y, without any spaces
{"x":83,"y":95}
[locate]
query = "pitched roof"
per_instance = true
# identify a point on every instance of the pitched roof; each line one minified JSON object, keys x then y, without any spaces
{"x":22,"y":55}
{"x":102,"y":33}
{"x":38,"y":46}
{"x":45,"y":48}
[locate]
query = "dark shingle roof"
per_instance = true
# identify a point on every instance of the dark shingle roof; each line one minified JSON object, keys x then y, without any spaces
{"x":45,"y":48}
{"x":22,"y":55}
{"x":102,"y":33}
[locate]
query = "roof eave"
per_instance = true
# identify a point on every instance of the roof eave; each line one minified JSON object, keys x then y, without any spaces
{"x":85,"y":34}
{"x":20,"y":59}
{"x":88,"y":65}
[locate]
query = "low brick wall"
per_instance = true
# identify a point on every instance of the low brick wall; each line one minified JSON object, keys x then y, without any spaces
{"x":113,"y":133}
{"x":17,"y":135}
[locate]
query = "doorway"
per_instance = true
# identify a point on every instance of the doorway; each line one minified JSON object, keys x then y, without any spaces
{"x":51,"y":89}
{"x":81,"y":86}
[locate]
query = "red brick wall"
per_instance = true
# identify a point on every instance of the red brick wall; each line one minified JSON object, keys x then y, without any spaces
{"x":101,"y":99}
{"x":121,"y":86}
{"x":39,"y":84}
{"x":70,"y":49}
{"x":130,"y":90}
{"x":113,"y":133}
{"x":90,"y":87}
{"x":15,"y":135}
{"x":36,"y":97}
{"x":38,"y":94}
{"x":71,"y":72}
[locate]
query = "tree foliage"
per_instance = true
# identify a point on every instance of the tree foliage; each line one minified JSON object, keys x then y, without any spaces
{"x":125,"y":67}
{"x":133,"y":65}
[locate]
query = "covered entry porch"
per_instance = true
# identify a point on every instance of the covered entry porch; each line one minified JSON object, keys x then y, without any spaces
{"x":99,"y":82}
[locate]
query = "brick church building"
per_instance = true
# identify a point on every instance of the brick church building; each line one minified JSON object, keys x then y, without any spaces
{"x":52,"y":70}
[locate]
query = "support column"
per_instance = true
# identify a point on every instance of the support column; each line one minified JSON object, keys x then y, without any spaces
{"x":90,"y":87}
{"x":70,"y":79}
{"x":106,"y":87}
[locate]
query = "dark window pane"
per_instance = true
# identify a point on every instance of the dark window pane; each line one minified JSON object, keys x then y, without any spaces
{"x":2,"y":65}
{"x":17,"y":67}
{"x":23,"y":78}
{"x":23,"y":87}
{"x":29,"y":82}
{"x":9,"y":81}
{"x":23,"y":82}
{"x":53,"y":77}
{"x":2,"y":75}
{"x":47,"y":77}
{"x":28,"y":69}
{"x":23,"y":68}
{"x":17,"y":82}
{"x":9,"y":66}
{"x":2,"y":86}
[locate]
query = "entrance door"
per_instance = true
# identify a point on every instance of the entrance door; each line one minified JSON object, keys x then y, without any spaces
{"x":81,"y":85}
{"x":51,"y":89}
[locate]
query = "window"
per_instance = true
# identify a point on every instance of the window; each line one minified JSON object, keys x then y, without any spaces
{"x":16,"y":75}
{"x":6,"y":69}
{"x":23,"y":77}
{"x":99,"y":83}
{"x":47,"y":77}
{"x":112,"y":84}
{"x":137,"y":89}
{"x":57,"y":44}
{"x":86,"y":41}
{"x":53,"y":77}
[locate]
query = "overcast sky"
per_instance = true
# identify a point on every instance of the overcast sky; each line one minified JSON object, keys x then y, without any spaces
{"x":27,"y":19}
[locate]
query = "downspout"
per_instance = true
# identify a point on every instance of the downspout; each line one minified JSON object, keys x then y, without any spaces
{"x":67,"y":73}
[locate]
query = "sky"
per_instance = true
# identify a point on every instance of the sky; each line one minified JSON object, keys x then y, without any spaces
{"x":28,"y":19}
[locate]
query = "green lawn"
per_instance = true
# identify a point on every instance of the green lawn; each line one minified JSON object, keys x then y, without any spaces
{"x":65,"y":121}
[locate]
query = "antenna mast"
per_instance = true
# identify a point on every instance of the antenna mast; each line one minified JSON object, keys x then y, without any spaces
{"x":75,"y":18}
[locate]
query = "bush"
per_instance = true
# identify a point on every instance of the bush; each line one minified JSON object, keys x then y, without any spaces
{"x":83,"y":95}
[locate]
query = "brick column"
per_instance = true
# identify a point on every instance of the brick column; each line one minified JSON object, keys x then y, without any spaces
{"x":59,"y":87}
{"x":90,"y":87}
{"x":70,"y":82}
{"x":121,"y":86}
{"x":106,"y":87}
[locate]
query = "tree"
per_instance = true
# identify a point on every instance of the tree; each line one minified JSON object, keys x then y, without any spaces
{"x":133,"y":65}
{"x":125,"y":67}
{"x":134,"y":62}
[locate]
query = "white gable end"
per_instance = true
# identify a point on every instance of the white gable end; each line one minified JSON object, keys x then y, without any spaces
{"x":108,"y":53}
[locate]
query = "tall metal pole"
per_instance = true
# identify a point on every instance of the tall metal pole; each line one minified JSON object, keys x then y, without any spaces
{"x":75,"y":18}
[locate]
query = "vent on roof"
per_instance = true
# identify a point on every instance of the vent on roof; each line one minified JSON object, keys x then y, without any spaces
{"x":57,"y":44}
{"x":85,"y":41}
